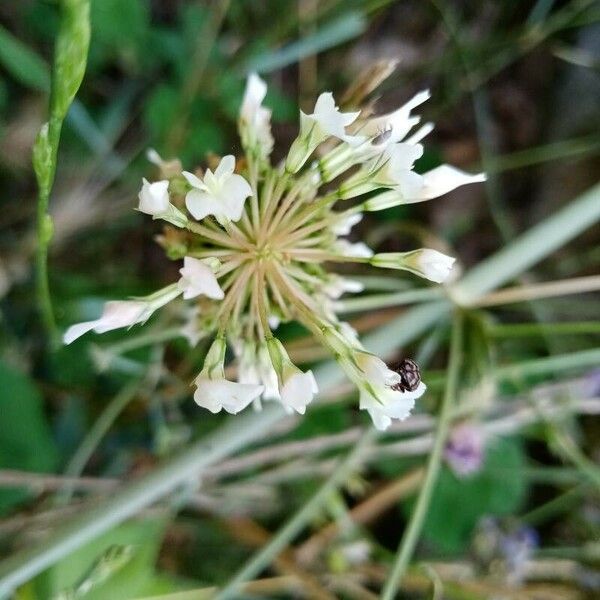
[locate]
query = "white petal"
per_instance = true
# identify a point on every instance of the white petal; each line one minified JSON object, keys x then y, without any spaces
{"x":329,"y":118}
{"x":116,"y":314}
{"x":380,"y":421}
{"x":154,"y":197}
{"x":77,"y":330}
{"x":198,"y":278}
{"x":217,"y":394}
{"x":343,"y":226}
{"x":122,"y":313}
{"x":444,"y":179}
{"x":358,"y":250}
{"x":226,"y":167}
{"x":399,"y":122}
{"x":194,"y":181}
{"x":434,"y":265}
{"x":410,"y":184}
{"x":200,"y":204}
{"x":233,"y":194}
{"x":299,"y":390}
{"x":256,"y":90}
{"x":403,"y":156}
{"x":422,"y":132}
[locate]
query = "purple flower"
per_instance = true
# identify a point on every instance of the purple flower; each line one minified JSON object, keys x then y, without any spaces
{"x":464,"y":449}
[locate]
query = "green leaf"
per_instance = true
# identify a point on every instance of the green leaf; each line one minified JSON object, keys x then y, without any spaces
{"x":116,"y":565}
{"x":22,"y":63}
{"x":25,"y":439}
{"x":332,"y":34}
{"x":458,"y":504}
{"x":70,"y":55}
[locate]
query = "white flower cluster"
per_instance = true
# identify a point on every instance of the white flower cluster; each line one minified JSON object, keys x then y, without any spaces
{"x":254,"y":244}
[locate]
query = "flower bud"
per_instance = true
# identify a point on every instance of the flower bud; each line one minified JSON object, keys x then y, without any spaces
{"x":427,"y":263}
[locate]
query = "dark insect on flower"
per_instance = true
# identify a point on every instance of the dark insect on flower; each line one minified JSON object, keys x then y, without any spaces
{"x":410,"y":376}
{"x":383,"y":137}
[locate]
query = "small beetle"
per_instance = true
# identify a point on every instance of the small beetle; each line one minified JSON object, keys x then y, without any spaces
{"x":410,"y":376}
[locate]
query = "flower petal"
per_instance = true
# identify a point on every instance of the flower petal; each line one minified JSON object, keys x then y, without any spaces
{"x":198,"y":278}
{"x":77,"y":330}
{"x":154,"y":197}
{"x":444,"y":179}
{"x":226,"y":167}
{"x":194,"y":181}
{"x":298,"y":391}
{"x":200,"y":204}
{"x":217,"y":394}
{"x":233,"y":194}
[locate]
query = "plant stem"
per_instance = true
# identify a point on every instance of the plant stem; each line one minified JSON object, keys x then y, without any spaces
{"x":92,"y":439}
{"x":376,"y":301}
{"x":70,"y":57}
{"x":530,"y":247}
{"x":411,"y":535}
{"x":295,"y":525}
{"x":512,"y":330}
{"x":24,"y":565}
{"x":549,"y":289}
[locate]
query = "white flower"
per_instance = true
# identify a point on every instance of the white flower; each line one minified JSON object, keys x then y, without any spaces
{"x":397,"y":123}
{"x":396,"y":171}
{"x":154,"y":197}
{"x":325,"y":121}
{"x":391,"y":168}
{"x":345,"y":225}
{"x":255,"y":367}
{"x":198,"y":278}
{"x":427,"y":263}
{"x":116,"y":314}
{"x":298,"y":390}
{"x":380,"y":392}
{"x":327,"y":117}
{"x":255,"y":120}
{"x":154,"y":200}
{"x":444,"y":179}
{"x":191,"y":329}
{"x":437,"y":182}
{"x":214,"y":392}
{"x":220,"y":394}
{"x":221,"y":193}
{"x":356,"y":250}
{"x":434,"y":265}
{"x":384,"y":404}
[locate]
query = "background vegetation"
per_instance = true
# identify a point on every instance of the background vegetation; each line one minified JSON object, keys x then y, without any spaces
{"x":102,"y":450}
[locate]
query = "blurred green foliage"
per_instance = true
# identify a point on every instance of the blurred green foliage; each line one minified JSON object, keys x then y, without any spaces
{"x":26,"y":442}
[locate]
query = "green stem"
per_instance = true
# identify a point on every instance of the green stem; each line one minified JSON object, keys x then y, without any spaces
{"x":530,"y":247}
{"x":70,"y":58}
{"x":94,"y":436}
{"x":376,"y":301}
{"x":90,"y":523}
{"x":297,"y":523}
{"x":415,"y":525}
{"x":534,"y":329}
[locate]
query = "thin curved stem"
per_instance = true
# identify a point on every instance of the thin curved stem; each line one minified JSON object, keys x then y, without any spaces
{"x":415,"y":525}
{"x":297,"y":523}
